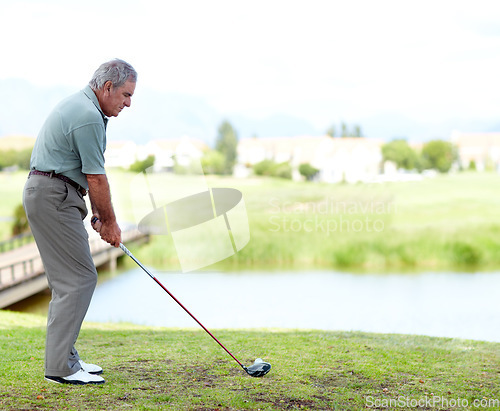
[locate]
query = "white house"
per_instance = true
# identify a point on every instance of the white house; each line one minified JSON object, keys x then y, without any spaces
{"x":120,"y":154}
{"x":348,"y":159}
{"x":185,"y":150}
{"x":481,"y":148}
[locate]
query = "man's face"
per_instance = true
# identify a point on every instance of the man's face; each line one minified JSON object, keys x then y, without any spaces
{"x":114,"y":99}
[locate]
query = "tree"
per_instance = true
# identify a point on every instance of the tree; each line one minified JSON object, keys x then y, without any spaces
{"x":12,"y":158}
{"x":344,"y":132}
{"x":400,"y":153}
{"x":331,"y":131}
{"x":226,"y":143}
{"x":213,"y":162}
{"x":357,"y":131}
{"x":438,"y":155}
{"x":308,"y":171}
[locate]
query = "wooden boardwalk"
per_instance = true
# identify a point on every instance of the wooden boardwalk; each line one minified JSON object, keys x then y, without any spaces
{"x":22,"y":273}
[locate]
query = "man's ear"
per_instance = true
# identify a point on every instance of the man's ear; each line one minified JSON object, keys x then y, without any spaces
{"x":108,"y":86}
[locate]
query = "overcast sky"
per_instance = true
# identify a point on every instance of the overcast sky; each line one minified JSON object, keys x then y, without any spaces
{"x":324,"y":61}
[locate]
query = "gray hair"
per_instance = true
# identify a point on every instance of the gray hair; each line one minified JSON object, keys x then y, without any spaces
{"x":117,"y":71}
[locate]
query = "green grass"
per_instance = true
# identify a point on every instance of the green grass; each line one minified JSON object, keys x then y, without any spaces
{"x":11,"y":193}
{"x":157,"y":368}
{"x":448,"y":222}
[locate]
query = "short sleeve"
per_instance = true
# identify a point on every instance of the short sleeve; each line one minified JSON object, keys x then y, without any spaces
{"x":89,"y":143}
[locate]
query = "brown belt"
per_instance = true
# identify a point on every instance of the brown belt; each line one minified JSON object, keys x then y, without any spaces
{"x":68,"y":180}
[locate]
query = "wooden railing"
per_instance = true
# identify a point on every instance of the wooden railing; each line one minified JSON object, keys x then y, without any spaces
{"x":14,"y":242}
{"x":22,"y":264}
{"x":19,"y":271}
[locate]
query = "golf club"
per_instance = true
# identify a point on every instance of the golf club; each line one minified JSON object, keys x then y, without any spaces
{"x":258,"y":369}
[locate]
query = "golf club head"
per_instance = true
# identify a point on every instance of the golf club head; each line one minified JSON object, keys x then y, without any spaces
{"x":258,"y":369}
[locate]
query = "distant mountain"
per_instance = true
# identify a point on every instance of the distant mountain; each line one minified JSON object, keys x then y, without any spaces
{"x":24,"y":107}
{"x":278,"y":125}
{"x":153,"y":115}
{"x":157,"y":115}
{"x":390,"y":125}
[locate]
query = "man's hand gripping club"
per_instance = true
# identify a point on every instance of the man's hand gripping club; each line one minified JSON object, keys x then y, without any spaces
{"x":103,"y":220}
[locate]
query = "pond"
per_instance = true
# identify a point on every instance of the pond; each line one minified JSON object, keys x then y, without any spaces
{"x":461,"y":305}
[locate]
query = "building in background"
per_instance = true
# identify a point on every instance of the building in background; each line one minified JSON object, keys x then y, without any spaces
{"x":120,"y":154}
{"x":168,"y":152}
{"x":479,"y":150}
{"x":349,"y":159}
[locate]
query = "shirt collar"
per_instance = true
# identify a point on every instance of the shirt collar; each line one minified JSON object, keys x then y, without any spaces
{"x":91,"y":95}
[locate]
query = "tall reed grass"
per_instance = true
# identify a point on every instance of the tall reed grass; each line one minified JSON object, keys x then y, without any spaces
{"x":448,"y":222}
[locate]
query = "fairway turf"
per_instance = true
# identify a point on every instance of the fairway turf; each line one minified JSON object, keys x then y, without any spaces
{"x":150,"y":368}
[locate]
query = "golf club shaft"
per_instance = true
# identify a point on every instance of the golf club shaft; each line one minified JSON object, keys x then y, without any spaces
{"x":126,"y":251}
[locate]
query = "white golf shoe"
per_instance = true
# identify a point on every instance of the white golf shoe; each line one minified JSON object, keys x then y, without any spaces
{"x":90,"y":368}
{"x":78,"y":378}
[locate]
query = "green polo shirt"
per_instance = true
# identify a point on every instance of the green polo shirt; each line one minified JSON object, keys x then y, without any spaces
{"x":72,"y":140}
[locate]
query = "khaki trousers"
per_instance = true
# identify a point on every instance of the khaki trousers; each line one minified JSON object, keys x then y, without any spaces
{"x":55,"y":212}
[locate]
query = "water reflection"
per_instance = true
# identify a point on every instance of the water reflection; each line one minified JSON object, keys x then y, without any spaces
{"x":437,"y":304}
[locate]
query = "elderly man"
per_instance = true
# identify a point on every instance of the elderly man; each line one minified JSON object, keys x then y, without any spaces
{"x":66,"y":163}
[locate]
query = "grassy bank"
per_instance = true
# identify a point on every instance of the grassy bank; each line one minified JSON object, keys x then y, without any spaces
{"x":447,"y":222}
{"x":11,"y":191}
{"x":157,"y":368}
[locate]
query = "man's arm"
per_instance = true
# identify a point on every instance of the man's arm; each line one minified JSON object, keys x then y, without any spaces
{"x":100,"y":200}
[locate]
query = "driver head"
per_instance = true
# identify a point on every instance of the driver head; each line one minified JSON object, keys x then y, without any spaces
{"x":258,"y":369}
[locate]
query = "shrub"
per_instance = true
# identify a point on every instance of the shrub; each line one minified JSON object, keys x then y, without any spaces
{"x":19,"y":158}
{"x":439,"y":155}
{"x":308,"y":171}
{"x":213,"y":162}
{"x":264,"y":168}
{"x":465,"y":254}
{"x":20,"y":224}
{"x":141,"y":166}
{"x":271,"y":169}
{"x":283,"y":170}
